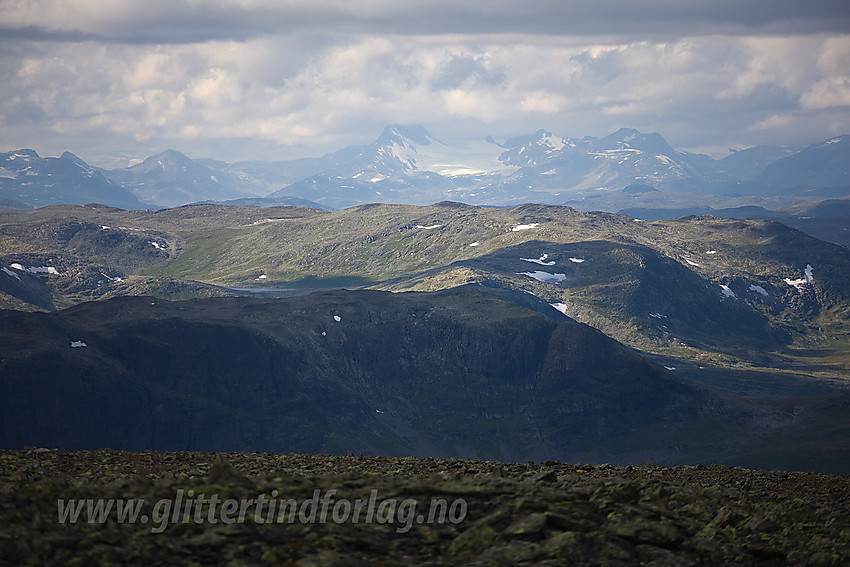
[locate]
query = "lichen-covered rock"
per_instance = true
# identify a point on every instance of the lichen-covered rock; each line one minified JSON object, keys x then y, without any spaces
{"x":589,"y":515}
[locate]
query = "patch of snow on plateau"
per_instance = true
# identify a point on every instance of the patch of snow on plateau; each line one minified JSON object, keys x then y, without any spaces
{"x":759,"y":289}
{"x":545,"y":277}
{"x":540,"y":260}
{"x":807,"y":278}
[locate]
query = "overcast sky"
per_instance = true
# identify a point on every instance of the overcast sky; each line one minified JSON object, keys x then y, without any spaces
{"x":271,"y":79}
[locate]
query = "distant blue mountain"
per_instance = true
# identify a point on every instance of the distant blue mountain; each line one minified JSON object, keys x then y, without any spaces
{"x":27,"y":178}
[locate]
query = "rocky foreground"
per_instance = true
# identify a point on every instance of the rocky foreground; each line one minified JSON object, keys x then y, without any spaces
{"x":358,"y":510}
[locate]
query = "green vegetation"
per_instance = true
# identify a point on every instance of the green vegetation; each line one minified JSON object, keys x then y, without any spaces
{"x":704,"y":295}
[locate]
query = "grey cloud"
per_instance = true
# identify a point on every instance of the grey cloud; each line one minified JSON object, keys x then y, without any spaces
{"x":181,"y":21}
{"x":301,"y":78}
{"x":458,"y":70}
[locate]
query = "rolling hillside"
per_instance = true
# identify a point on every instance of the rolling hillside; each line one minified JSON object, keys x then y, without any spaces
{"x":704,"y":291}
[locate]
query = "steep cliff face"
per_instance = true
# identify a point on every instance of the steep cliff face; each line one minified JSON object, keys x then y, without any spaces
{"x":453,"y":373}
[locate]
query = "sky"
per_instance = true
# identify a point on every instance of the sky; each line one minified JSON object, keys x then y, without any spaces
{"x":280,"y":79}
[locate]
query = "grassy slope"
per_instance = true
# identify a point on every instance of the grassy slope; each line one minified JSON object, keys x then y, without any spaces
{"x":632,"y":269}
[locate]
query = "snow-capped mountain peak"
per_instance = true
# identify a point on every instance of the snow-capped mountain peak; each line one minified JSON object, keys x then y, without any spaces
{"x":396,"y":150}
{"x":29,"y":178}
{"x":409,"y":134}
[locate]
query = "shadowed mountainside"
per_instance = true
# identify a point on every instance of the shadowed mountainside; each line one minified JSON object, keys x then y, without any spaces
{"x":453,"y":373}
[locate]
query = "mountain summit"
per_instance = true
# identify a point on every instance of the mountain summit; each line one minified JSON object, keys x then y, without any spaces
{"x":171,"y":179}
{"x":400,"y":134}
{"x":406,"y":164}
{"x":29,"y":178}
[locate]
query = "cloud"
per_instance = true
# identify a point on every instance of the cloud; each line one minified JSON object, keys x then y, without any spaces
{"x":544,"y":102}
{"x":190,"y":21}
{"x":828,"y":93}
{"x":275,"y":80}
{"x":772,"y":122}
{"x":460,"y":71}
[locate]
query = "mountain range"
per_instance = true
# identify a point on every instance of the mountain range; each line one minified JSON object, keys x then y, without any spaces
{"x":406,"y":164}
{"x":748,"y":317}
{"x":28,"y":180}
{"x":260,"y":318}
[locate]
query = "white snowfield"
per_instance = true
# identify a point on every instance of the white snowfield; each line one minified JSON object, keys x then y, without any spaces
{"x":10,"y":273}
{"x":474,"y":244}
{"x":562,"y":307}
{"x":691,"y":262}
{"x":524,"y":226}
{"x":36,"y":269}
{"x":759,"y":289}
{"x":542,"y":260}
{"x":337,"y":318}
{"x":807,"y":278}
{"x":431,"y":227}
{"x":78,"y":344}
{"x":264,"y":221}
{"x":464,"y":158}
{"x":577,"y":260}
{"x":724,"y":289}
{"x":545,"y":277}
{"x":117,"y":279}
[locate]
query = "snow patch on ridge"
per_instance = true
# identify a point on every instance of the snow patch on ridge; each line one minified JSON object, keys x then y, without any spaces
{"x":562,"y":307}
{"x":11,"y":273}
{"x":36,"y":269}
